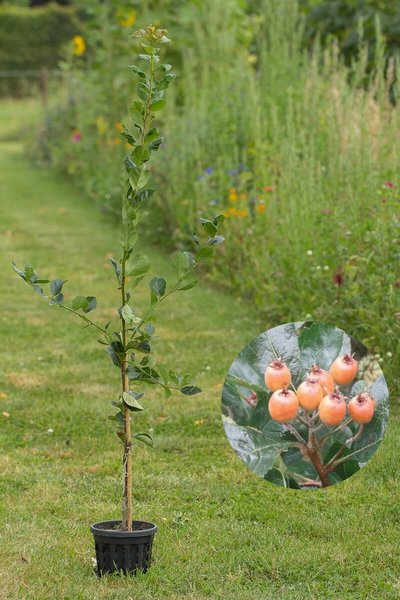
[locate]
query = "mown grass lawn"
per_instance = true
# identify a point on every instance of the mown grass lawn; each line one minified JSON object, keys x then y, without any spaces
{"x":223,"y":532}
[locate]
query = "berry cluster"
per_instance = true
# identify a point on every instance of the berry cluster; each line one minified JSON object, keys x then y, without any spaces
{"x":319,"y":392}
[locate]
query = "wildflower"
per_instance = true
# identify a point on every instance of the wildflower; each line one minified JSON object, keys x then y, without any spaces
{"x":119,"y":127}
{"x":79,"y":45}
{"x":231,"y":212}
{"x":208,"y":171}
{"x":326,"y":268}
{"x":268,"y":188}
{"x":252,"y":58}
{"x":242,"y":212}
{"x":6,"y":414}
{"x":50,"y":430}
{"x":338,"y":278}
{"x":309,"y":252}
{"x":389,"y":184}
{"x":389,"y":354}
{"x":3,"y":395}
{"x":261,"y":208}
{"x":233,"y":195}
{"x":101,"y":125}
{"x":199,"y":422}
{"x":127,"y":19}
{"x":76,"y":136}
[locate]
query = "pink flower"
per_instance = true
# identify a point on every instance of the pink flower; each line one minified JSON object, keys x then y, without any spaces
{"x":76,"y":136}
{"x":389,"y":184}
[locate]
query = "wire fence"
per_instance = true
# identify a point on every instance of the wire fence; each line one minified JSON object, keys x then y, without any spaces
{"x":28,"y":82}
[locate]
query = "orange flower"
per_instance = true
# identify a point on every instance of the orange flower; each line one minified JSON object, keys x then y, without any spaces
{"x":269,"y":188}
{"x":119,"y":127}
{"x":261,"y":208}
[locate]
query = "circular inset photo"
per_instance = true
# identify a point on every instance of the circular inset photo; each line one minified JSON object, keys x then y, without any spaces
{"x":305,"y":405}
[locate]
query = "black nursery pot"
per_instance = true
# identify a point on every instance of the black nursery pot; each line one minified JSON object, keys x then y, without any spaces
{"x":126,"y":551}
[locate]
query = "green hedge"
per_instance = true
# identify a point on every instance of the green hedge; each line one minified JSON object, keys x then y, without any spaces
{"x":32,"y":38}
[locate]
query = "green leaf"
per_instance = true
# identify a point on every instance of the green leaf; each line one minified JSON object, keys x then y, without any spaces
{"x":30,"y":274}
{"x":131,"y":401}
{"x":187,"y":284}
{"x":138,"y":71}
{"x":20,"y":273}
{"x":128,"y":315}
{"x":164,"y":67}
{"x":157,"y":287}
{"x":158,"y":105}
{"x":38,"y":289}
{"x":140,"y":155}
{"x":152,"y":135}
{"x":79,"y":302}
{"x":181,"y":263}
{"x":56,"y":286}
{"x":321,"y":344}
{"x":59,"y":299}
{"x":208,"y":226}
{"x":156,"y":144}
{"x":190,"y":390}
{"x":136,"y":110}
{"x":119,"y":418}
{"x":137,"y":265}
{"x":117,"y":269}
{"x":91,"y":304}
{"x":143,"y":437}
{"x":114,"y":356}
{"x":204,"y":253}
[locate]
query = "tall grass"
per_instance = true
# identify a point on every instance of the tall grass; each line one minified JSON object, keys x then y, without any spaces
{"x":295,"y":147}
{"x":325,"y":137}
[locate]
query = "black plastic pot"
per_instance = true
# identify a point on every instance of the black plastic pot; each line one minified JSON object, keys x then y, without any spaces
{"x":126,"y":551}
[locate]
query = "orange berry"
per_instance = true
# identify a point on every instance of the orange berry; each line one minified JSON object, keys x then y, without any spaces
{"x":332,"y":409}
{"x":361,"y":408}
{"x":309,"y":394}
{"x":277,"y":375}
{"x":283,"y":405}
{"x":324,"y":378}
{"x":344,"y":369}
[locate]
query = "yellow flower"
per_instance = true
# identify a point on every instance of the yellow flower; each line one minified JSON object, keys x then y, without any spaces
{"x":79,"y":45}
{"x":3,"y":395}
{"x":252,"y":58}
{"x":126,"y":19}
{"x":233,"y":196}
{"x":199,"y":422}
{"x":243,"y":212}
{"x":119,"y":127}
{"x":101,"y":125}
{"x":261,"y":208}
{"x":231,"y":212}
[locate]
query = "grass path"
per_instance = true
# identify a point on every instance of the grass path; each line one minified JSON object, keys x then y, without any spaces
{"x":223,"y":532}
